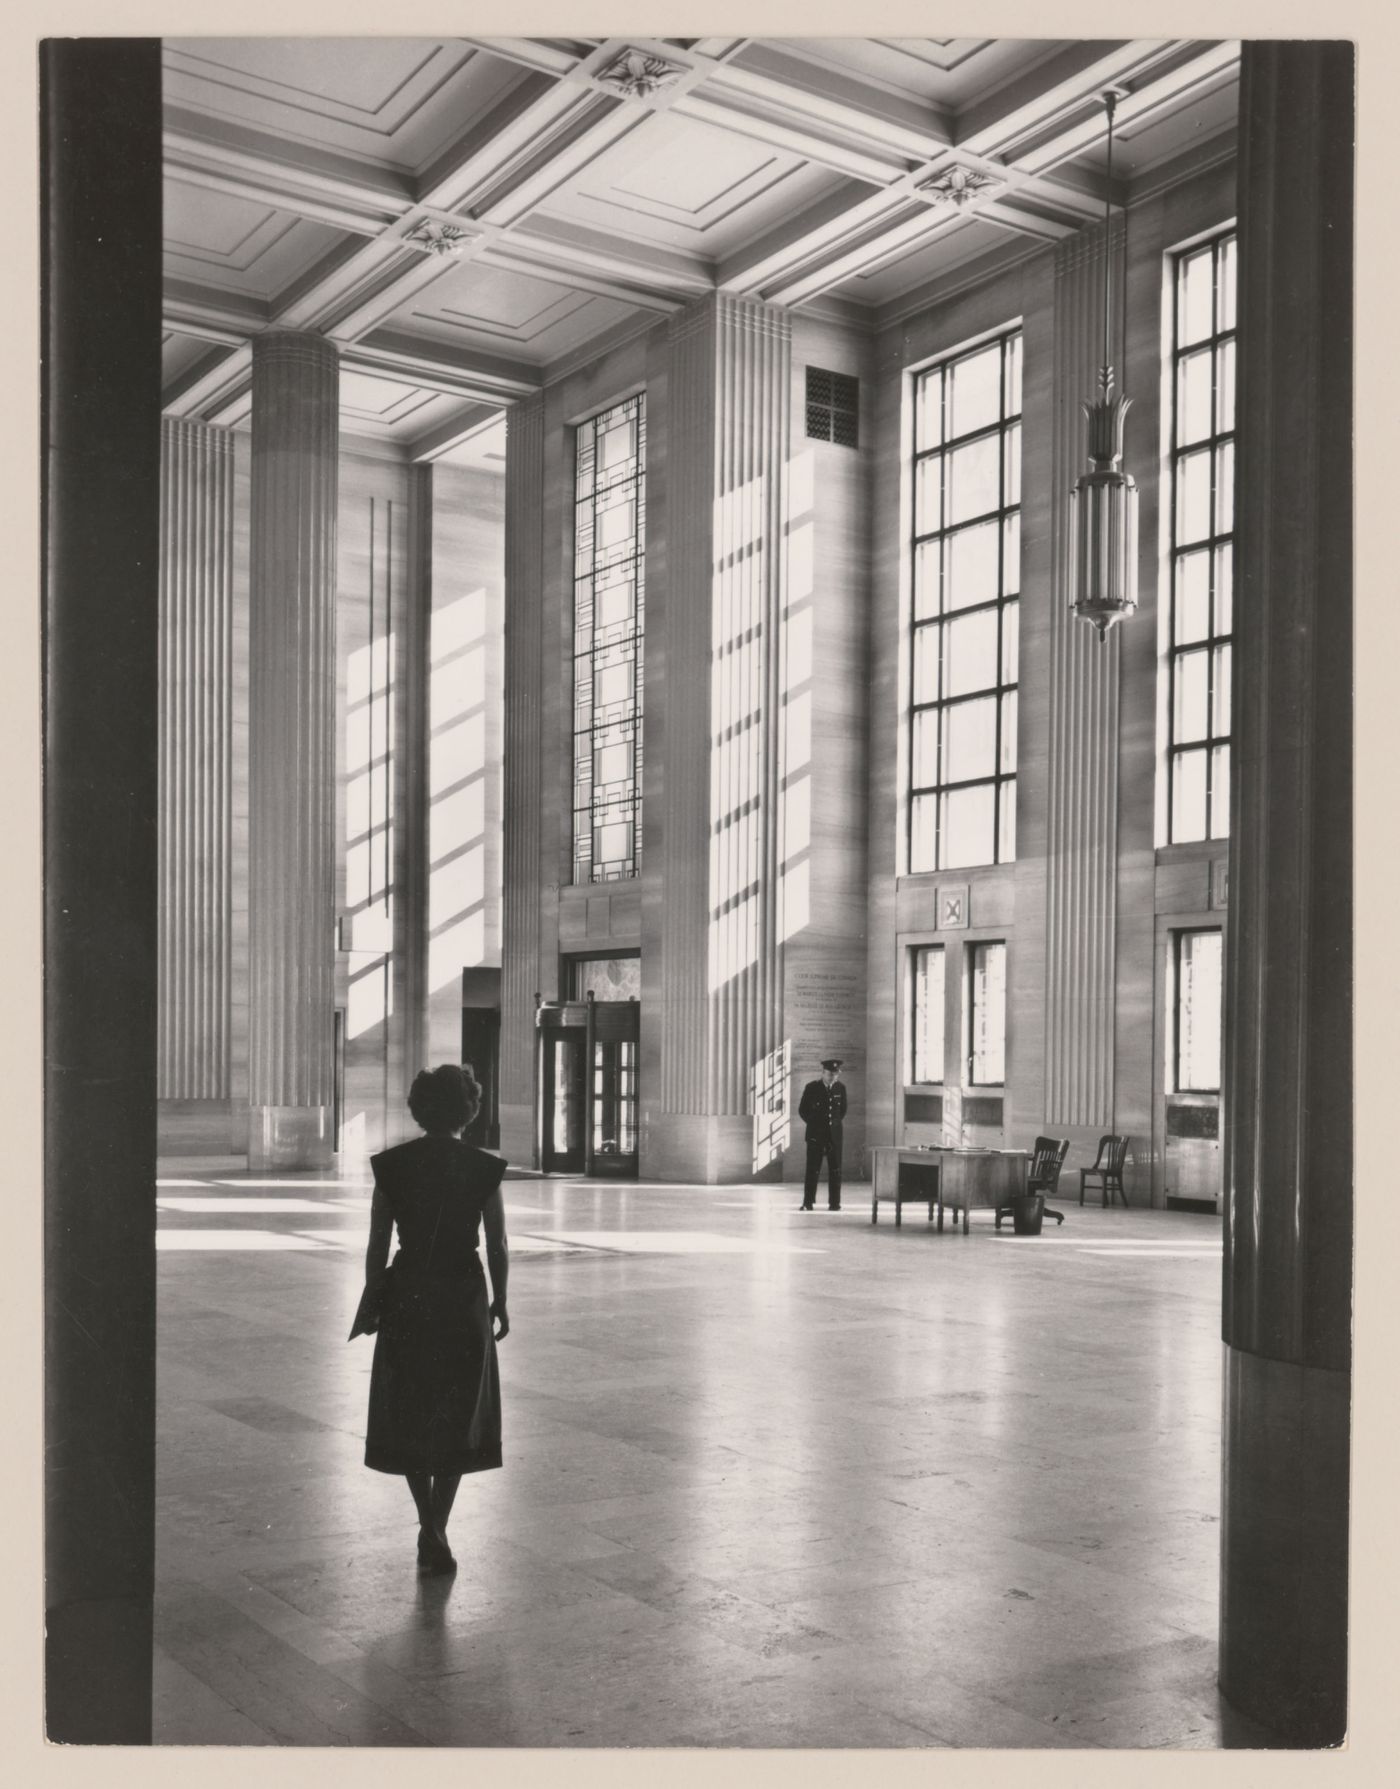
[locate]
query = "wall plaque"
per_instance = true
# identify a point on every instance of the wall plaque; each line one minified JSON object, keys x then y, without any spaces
{"x":952,"y":908}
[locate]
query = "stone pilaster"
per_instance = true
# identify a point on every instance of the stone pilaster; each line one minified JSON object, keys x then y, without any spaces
{"x":416,"y":797}
{"x":292,"y":683}
{"x":196,"y":740}
{"x":1082,"y":831}
{"x":683,"y":654}
{"x":721,"y":969}
{"x":521,"y":965}
{"x":1287,"y":1071}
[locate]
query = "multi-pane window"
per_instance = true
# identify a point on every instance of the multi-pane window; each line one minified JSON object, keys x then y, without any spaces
{"x":1202,"y":551}
{"x":967,"y":565}
{"x":986,"y":1016}
{"x":1198,"y":962}
{"x":926,"y":1015}
{"x":833,"y":407}
{"x":609,"y":613}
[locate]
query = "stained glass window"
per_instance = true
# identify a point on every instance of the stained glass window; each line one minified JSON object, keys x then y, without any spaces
{"x":966,"y":568}
{"x":609,"y":624}
{"x":1202,"y":551}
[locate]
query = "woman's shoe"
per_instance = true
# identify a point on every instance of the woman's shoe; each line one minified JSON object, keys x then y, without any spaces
{"x":434,"y":1554}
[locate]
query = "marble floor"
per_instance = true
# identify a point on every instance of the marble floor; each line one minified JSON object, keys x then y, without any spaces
{"x":773,"y":1479}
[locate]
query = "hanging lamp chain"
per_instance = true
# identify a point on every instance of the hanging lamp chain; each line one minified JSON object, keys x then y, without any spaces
{"x":1110,"y":100}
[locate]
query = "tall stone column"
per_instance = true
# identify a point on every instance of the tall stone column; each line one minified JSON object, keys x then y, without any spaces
{"x":719,"y":943}
{"x":291,"y":717}
{"x":1287,"y":1079}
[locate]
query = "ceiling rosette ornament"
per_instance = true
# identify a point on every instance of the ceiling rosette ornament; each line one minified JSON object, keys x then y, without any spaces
{"x":636,"y":74}
{"x":959,"y":186}
{"x":438,"y":238}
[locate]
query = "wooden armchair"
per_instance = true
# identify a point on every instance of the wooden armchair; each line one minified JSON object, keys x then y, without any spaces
{"x":1043,"y":1175}
{"x":1107,"y":1170}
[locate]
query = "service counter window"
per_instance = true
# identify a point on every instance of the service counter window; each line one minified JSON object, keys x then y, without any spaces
{"x":986,"y":1015}
{"x":1197,"y":963}
{"x":924,"y":1039}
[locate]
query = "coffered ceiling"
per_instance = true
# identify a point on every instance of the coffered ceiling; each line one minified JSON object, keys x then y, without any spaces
{"x":468,"y":218}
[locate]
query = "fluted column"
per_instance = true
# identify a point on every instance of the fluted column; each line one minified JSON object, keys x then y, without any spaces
{"x":1287,"y":1072}
{"x":730,"y":374}
{"x":521,"y":968}
{"x":685,"y":646}
{"x":291,"y":893}
{"x":196,"y":693}
{"x":1082,"y":831}
{"x":753,"y":373}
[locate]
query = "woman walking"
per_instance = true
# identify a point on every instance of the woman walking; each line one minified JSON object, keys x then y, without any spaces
{"x":435,"y":1395}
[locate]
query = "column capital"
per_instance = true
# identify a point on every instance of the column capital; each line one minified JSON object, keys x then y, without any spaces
{"x":295,"y":345}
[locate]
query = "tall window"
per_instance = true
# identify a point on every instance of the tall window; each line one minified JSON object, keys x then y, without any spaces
{"x":1197,"y":1012}
{"x":967,"y":575}
{"x":986,"y":1016}
{"x":926,"y":1015}
{"x":1203,"y":522}
{"x":609,"y":612}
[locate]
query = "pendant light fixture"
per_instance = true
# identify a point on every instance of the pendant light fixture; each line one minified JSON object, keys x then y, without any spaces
{"x":1104,"y":501}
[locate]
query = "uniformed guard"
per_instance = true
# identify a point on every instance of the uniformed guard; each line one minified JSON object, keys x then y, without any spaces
{"x":822,"y":1108}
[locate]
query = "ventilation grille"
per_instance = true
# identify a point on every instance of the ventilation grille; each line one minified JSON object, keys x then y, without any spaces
{"x":833,"y":407}
{"x":981,"y":1111}
{"x":1193,"y":1121}
{"x":923,"y":1108}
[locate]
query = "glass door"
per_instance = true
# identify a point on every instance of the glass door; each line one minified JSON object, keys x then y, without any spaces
{"x":565,"y":1095}
{"x":614,"y":1107}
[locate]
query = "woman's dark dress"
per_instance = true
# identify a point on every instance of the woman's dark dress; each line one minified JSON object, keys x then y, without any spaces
{"x":435,"y":1393}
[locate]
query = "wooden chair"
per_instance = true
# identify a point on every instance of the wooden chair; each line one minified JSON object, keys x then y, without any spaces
{"x":1107,"y":1170}
{"x":1043,"y":1175}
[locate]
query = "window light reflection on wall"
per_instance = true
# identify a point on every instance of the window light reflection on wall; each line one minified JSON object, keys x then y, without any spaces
{"x":457,"y":770}
{"x":794,"y":906}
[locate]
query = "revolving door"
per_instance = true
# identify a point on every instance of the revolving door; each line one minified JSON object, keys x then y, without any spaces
{"x":587,"y":1108}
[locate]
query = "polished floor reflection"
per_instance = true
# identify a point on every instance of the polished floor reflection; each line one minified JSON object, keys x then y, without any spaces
{"x":772,"y":1478}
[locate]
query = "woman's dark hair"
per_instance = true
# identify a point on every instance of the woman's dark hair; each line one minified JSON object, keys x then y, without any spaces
{"x":445,"y":1098}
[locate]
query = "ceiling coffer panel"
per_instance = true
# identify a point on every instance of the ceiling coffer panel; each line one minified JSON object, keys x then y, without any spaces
{"x":386,"y":400}
{"x":394,"y":101}
{"x":681,"y":184}
{"x":240,"y":245}
{"x":536,"y":320}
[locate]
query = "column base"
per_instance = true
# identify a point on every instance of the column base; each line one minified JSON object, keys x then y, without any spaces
{"x":701,"y":1149}
{"x":518,"y":1135}
{"x":289,"y":1137}
{"x":213,"y":1127}
{"x":1285,"y":1500}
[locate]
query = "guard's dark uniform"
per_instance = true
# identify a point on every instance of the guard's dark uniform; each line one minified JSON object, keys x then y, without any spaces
{"x":822,"y":1109}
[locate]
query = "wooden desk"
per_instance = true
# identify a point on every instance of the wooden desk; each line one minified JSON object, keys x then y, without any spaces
{"x":956,"y":1178}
